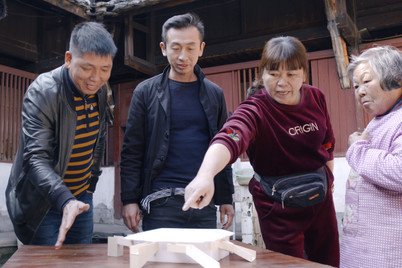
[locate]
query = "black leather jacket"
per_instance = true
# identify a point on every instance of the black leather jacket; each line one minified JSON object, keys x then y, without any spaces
{"x":146,"y":139}
{"x":46,"y":140}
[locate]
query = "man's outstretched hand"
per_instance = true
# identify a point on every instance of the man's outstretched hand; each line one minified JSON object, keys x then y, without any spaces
{"x":70,"y":212}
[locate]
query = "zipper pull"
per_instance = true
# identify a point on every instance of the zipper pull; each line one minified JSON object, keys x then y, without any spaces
{"x":273,"y":190}
{"x":86,"y":112}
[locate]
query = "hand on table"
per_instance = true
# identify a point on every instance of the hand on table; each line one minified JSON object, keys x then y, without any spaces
{"x":71,"y":210}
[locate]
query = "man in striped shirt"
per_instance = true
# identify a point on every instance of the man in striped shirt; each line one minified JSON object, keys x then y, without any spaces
{"x":49,"y":194}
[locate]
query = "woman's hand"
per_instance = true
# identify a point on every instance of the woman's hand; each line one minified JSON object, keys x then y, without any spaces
{"x":198,"y":193}
{"x":357,"y":136}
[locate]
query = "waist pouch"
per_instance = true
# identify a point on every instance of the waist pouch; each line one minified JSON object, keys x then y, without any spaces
{"x":296,"y":190}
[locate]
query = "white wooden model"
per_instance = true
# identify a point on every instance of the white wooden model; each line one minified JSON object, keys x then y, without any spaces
{"x":203,"y":246}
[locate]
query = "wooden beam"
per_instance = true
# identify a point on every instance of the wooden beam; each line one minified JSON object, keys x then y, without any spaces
{"x":245,"y":253}
{"x":348,"y":29}
{"x":147,"y":6}
{"x":140,"y":27}
{"x":233,"y":47}
{"x":46,"y":65}
{"x":332,"y":8}
{"x":140,"y":65}
{"x":128,"y":37}
{"x":69,"y":7}
{"x":18,"y":48}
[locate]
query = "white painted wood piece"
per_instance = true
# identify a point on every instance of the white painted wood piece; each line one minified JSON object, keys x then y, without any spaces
{"x":201,"y":238}
{"x":203,"y":246}
{"x":194,"y":253}
{"x":115,"y":245}
{"x":245,"y":253}
{"x":141,"y":253}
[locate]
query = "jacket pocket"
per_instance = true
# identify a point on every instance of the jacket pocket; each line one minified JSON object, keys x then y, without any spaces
{"x":31,"y":205}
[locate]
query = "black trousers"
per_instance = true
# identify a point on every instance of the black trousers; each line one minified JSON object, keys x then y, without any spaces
{"x":167,"y":213}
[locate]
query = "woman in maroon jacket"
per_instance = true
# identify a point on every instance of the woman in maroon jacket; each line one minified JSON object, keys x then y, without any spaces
{"x":285,"y":129}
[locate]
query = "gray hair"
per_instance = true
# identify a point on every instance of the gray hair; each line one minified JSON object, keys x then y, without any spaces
{"x":386,"y":62}
{"x":92,"y":37}
{"x":181,"y":22}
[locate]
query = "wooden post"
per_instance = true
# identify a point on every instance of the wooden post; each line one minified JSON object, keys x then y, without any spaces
{"x":338,"y":43}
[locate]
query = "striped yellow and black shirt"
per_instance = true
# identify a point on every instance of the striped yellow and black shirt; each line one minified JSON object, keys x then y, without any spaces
{"x":86,"y":132}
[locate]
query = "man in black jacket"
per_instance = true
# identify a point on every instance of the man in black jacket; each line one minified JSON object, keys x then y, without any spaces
{"x":172,"y":118}
{"x":49,"y":193}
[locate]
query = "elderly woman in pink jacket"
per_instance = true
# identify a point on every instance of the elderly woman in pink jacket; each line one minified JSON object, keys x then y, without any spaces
{"x":372,"y":225}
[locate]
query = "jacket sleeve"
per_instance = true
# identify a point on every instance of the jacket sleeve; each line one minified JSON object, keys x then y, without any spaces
{"x":39,"y":119}
{"x":132,"y":154}
{"x":223,"y":180}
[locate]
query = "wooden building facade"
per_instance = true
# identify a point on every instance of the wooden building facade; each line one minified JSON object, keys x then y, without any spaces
{"x":34,"y":35}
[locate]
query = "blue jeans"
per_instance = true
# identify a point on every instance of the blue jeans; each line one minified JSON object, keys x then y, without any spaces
{"x":167,"y":213}
{"x":80,"y":233}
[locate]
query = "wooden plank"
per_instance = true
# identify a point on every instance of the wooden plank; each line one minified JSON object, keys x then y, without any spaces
{"x":245,"y":253}
{"x":10,"y":118}
{"x":253,"y":44}
{"x":341,"y":106}
{"x":46,"y":65}
{"x":14,"y":117}
{"x":140,"y":254}
{"x":225,"y":81}
{"x":71,"y":8}
{"x":18,"y":48}
{"x":13,"y":86}
{"x":230,"y":67}
{"x":118,"y":139}
{"x":123,"y":93}
{"x":2,"y":114}
{"x":94,"y":255}
{"x":194,"y":253}
{"x":140,"y":65}
{"x":348,"y":29}
{"x":140,"y":27}
{"x":379,"y":15}
{"x":128,"y":37}
{"x":136,"y":7}
{"x":7,"y":69}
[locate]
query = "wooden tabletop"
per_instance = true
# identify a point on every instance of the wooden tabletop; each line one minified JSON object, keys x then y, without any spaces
{"x":95,"y":255}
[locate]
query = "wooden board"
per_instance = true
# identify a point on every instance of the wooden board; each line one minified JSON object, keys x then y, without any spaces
{"x":204,"y":241}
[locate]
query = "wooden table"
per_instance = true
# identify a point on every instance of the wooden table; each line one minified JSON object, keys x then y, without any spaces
{"x":95,"y":255}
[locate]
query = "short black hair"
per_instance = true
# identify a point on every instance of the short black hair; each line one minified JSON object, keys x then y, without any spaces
{"x":183,"y":21}
{"x":92,"y":37}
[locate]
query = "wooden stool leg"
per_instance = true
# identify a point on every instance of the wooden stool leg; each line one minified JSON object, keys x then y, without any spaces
{"x":113,"y":248}
{"x":243,"y":252}
{"x":141,"y":253}
{"x":195,"y":253}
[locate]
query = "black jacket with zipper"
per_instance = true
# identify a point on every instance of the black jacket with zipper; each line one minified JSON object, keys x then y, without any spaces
{"x":146,"y":140}
{"x":45,"y":145}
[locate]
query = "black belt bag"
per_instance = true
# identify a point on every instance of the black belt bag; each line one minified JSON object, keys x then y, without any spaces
{"x":296,"y":190}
